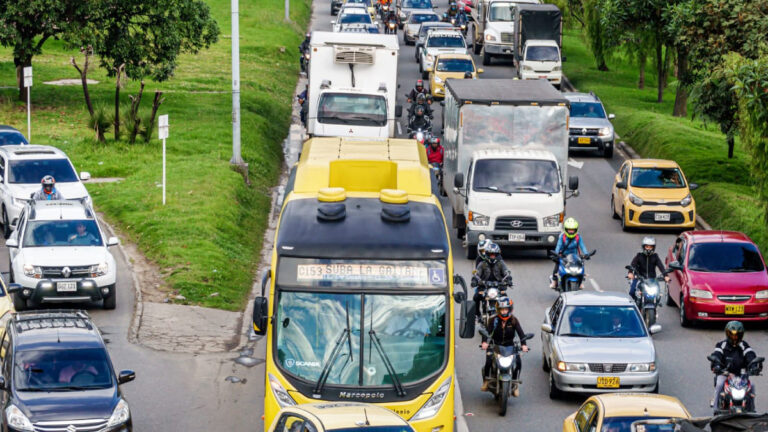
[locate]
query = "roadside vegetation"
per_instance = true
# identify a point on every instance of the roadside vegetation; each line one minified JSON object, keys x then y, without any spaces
{"x":207,"y":239}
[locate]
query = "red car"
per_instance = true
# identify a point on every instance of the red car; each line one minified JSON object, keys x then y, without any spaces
{"x":719,"y":275}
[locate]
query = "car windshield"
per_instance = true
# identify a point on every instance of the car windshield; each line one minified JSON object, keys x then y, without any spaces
{"x":624,"y":424}
{"x":516,"y":176}
{"x":363,"y":2}
{"x":501,"y":12}
{"x":542,"y":53}
{"x":587,"y":110}
{"x":446,"y":42}
{"x":601,"y":322}
{"x":62,"y":233}
{"x":657,"y":178}
{"x":352,"y":109}
{"x":417,"y":4}
{"x":354,"y":18}
{"x":420,"y":18}
{"x":33,"y":170}
{"x":724,"y":258}
{"x":12,"y":138}
{"x":62,"y":369}
{"x":455,"y":65}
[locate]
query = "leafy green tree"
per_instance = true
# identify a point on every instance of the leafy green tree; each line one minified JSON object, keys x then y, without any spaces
{"x":595,"y":32}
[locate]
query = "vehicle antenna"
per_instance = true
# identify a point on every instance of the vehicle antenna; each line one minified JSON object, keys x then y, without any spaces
{"x":367,"y":423}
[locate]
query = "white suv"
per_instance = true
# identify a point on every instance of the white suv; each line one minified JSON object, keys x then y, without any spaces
{"x":58,"y":254}
{"x":439,"y":41}
{"x":22,"y":167}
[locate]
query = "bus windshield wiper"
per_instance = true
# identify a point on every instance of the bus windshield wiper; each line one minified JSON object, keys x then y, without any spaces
{"x":388,"y":364}
{"x":345,"y":334}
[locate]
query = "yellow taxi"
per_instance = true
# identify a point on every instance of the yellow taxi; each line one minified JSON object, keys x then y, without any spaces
{"x":332,"y":416}
{"x":614,"y":412}
{"x":653,"y":193}
{"x":450,"y":66}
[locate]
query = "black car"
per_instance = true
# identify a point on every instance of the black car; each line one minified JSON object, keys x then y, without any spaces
{"x":11,"y":136}
{"x":57,"y":375}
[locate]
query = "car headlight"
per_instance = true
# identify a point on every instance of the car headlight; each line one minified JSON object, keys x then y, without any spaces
{"x":430,"y":57}
{"x":17,"y":420}
{"x":687,"y":200}
{"x":634,"y":199}
{"x":438,"y":80}
{"x":700,"y":293}
{"x":432,"y":406}
{"x":552,"y":221}
{"x":99,"y":269}
{"x":479,"y":219}
{"x":642,"y":367}
{"x":33,"y":271}
{"x":761,"y":294}
{"x":489,"y":37}
{"x":19,"y":201}
{"x":282,"y":396}
{"x":527,"y":68}
{"x":504,"y":362}
{"x":120,"y":415}
{"x":572,"y":367}
{"x":603,"y":132}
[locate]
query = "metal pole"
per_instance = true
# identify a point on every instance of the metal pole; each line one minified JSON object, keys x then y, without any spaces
{"x":29,"y":116}
{"x":163,"y":171}
{"x":236,"y":157}
{"x":287,"y":10}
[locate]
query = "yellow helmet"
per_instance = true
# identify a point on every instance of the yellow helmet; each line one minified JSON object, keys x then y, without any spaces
{"x":571,"y":227}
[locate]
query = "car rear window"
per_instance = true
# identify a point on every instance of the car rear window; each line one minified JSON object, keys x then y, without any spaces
{"x":725,"y":258}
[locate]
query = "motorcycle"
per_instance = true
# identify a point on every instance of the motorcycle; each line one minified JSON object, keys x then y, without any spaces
{"x":437,"y":170}
{"x":734,"y":398}
{"x":505,"y":370}
{"x":490,"y":292}
{"x":570,"y":273}
{"x":304,"y":61}
{"x":390,"y":27}
{"x":423,"y":126}
{"x":384,"y":10}
{"x":648,"y":294}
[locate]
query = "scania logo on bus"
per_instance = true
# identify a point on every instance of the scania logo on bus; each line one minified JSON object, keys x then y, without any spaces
{"x":361,"y":395}
{"x":289,"y":363}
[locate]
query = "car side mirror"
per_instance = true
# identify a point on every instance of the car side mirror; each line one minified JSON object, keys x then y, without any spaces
{"x":573,"y":183}
{"x":113,"y":241}
{"x":12,"y":243}
{"x":675,"y":265}
{"x":546,"y":328}
{"x":655,"y":328}
{"x":693,"y":186}
{"x":126,"y":376}
{"x":260,"y":315}
{"x":621,"y":185}
{"x":14,"y":288}
{"x":563,"y":59}
{"x":458,"y":180}
{"x":611,"y":116}
{"x":398,"y":110}
{"x":85,"y":175}
{"x":14,"y":224}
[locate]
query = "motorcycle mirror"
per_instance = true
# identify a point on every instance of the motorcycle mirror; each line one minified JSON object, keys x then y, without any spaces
{"x":459,"y":297}
{"x":593,"y":252}
{"x":483,"y":332}
{"x":630,"y":268}
{"x":528,"y":336}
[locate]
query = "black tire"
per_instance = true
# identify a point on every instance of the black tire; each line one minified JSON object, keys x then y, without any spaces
{"x":656,"y":389}
{"x":503,"y":398}
{"x":19,"y":303}
{"x":405,"y":39}
{"x":624,"y":226}
{"x":544,"y":363}
{"x":670,"y":302}
{"x":110,"y":302}
{"x":460,"y":233}
{"x":608,"y":152}
{"x":471,"y":252}
{"x":649,"y":316}
{"x":6,"y":225}
{"x":476,"y":47}
{"x":486,"y":59}
{"x":554,"y":392}
{"x":613,"y":209}
{"x":684,"y":321}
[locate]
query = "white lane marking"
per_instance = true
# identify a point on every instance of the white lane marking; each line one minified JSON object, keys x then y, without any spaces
{"x":574,"y":163}
{"x":458,"y":406}
{"x":399,"y":128}
{"x":595,"y":285}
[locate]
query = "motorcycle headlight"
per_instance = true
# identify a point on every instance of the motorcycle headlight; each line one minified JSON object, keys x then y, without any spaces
{"x":433,"y":405}
{"x":651,"y":290}
{"x":642,"y":367}
{"x":99,"y":269}
{"x":282,"y":396}
{"x":492,"y":293}
{"x":479,"y":219}
{"x":552,"y":221}
{"x":489,"y":37}
{"x":573,"y":270}
{"x":33,"y":271}
{"x":419,"y":137}
{"x":306,"y":56}
{"x":604,"y":132}
{"x":634,"y":199}
{"x":17,"y":420}
{"x":700,"y":293}
{"x":686,"y":201}
{"x":463,"y":26}
{"x":761,"y":294}
{"x":572,"y":367}
{"x":438,"y":80}
{"x":120,"y":415}
{"x":738,"y":394}
{"x":504,"y":362}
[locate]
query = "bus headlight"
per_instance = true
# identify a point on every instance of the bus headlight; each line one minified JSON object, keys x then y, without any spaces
{"x":433,"y":405}
{"x":282,"y":396}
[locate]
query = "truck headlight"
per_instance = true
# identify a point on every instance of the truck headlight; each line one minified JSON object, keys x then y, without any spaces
{"x":557,"y":69}
{"x":479,"y":219}
{"x":17,"y":420}
{"x":761,"y":294}
{"x":33,"y":271}
{"x":99,"y":269}
{"x":120,"y":415}
{"x":527,"y":68}
{"x":700,"y":293}
{"x":490,"y":38}
{"x":642,"y":367}
{"x":433,"y":405}
{"x":686,"y":201}
{"x":283,"y":398}
{"x":634,"y":199}
{"x":572,"y":367}
{"x":552,"y":221}
{"x":438,"y":80}
{"x":603,"y":132}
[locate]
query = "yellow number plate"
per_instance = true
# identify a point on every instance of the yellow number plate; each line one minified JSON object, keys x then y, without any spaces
{"x":734,"y":309}
{"x":583,"y":140}
{"x":607,"y":382}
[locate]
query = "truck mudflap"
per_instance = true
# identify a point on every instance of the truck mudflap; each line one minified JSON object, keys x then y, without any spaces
{"x":526,"y":239}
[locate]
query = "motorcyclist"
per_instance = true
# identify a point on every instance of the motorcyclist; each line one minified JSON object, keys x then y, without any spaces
{"x":502,"y":331}
{"x":417,"y":90}
{"x":568,"y":243}
{"x":734,"y":354}
{"x":302,"y":99}
{"x":481,"y":255}
{"x":453,"y":10}
{"x":435,"y":152}
{"x":645,"y":263}
{"x":491,"y":269}
{"x":421,"y":100}
{"x":392,"y":16}
{"x":48,"y":190}
{"x":304,"y":48}
{"x":419,"y":119}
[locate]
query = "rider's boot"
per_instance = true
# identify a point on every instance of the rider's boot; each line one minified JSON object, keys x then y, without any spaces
{"x":552,"y":282}
{"x":485,"y":385}
{"x":516,"y":391}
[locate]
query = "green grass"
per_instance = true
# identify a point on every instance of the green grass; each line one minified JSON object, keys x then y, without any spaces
{"x":208,"y":237}
{"x":726,"y":198}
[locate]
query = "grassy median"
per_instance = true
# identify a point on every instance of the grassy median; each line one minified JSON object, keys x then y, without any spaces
{"x":726,"y":198}
{"x":207,"y":238}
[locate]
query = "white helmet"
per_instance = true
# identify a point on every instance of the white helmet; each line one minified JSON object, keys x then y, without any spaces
{"x":481,"y":247}
{"x":649,"y":241}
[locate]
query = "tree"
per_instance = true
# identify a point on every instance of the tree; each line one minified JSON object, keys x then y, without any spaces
{"x":595,"y":33}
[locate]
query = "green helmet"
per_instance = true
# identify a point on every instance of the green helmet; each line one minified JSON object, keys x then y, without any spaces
{"x":734,"y":332}
{"x":571,"y":227}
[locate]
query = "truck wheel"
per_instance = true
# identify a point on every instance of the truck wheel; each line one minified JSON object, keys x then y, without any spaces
{"x":471,"y":252}
{"x":486,"y":58}
{"x":476,"y":47}
{"x":460,"y":232}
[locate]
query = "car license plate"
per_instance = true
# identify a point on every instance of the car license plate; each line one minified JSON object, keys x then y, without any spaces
{"x":661,"y":217}
{"x":734,"y":309}
{"x":66,"y":286}
{"x":516,"y":237}
{"x":584,"y":140}
{"x":607,"y":382}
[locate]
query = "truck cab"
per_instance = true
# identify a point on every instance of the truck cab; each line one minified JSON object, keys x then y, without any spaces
{"x":493,"y":32}
{"x":541,"y":59}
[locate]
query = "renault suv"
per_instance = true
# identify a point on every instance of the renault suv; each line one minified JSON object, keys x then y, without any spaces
{"x":57,"y":376}
{"x":590,"y":128}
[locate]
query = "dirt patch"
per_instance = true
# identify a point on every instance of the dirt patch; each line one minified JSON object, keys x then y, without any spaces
{"x":69,"y":82}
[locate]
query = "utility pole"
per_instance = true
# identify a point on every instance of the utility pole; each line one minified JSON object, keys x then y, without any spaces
{"x":28,"y":85}
{"x":237,"y":159}
{"x":287,"y":10}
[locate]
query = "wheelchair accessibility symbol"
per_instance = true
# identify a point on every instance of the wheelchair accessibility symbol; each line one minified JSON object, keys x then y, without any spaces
{"x":437,"y":276}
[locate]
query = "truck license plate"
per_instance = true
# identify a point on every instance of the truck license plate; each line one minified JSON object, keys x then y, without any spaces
{"x":66,"y":286}
{"x":607,"y":382}
{"x":584,"y":140}
{"x":734,"y":309}
{"x":661,"y":217}
{"x":516,"y":237}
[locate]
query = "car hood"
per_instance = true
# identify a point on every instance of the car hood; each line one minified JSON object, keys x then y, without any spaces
{"x":445,"y":75}
{"x":63,"y":255}
{"x":729,"y":283}
{"x":605,"y":350}
{"x":73,"y":190}
{"x":657,"y":194}
{"x":588,"y":122}
{"x":68,"y":405}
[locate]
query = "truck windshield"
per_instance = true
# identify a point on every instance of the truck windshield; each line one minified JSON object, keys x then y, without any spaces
{"x":446,"y":42}
{"x":587,"y":110}
{"x":542,"y":53}
{"x":516,"y":175}
{"x":352,"y":109}
{"x":455,"y":65}
{"x":417,"y":4}
{"x":501,"y":12}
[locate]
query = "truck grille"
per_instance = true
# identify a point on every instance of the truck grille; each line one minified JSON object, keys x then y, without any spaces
{"x":516,"y":223}
{"x":354,"y":55}
{"x":608,"y":367}
{"x":92,"y":425}
{"x":73,"y":272}
{"x":584,"y":131}
{"x":507,"y":37}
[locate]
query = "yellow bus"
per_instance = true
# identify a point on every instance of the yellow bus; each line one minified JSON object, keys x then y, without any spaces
{"x":360,"y":285}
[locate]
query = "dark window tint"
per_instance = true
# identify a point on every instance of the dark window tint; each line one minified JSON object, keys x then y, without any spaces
{"x":12,"y":138}
{"x":657,"y":178}
{"x":417,"y":4}
{"x":36,"y":370}
{"x":622,"y":424}
{"x":725,"y":257}
{"x":587,"y":109}
{"x":420,"y":18}
{"x":32,"y":171}
{"x":446,"y":42}
{"x":351,"y":18}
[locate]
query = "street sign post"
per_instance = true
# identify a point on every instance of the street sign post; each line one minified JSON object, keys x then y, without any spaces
{"x":162,"y":133}
{"x":28,"y":85}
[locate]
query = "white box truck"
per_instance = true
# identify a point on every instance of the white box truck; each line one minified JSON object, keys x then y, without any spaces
{"x":493,"y":29}
{"x":352,"y":85}
{"x":506,"y":161}
{"x":539,"y":42}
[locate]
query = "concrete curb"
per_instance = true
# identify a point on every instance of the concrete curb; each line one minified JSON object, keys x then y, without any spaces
{"x":458,"y":406}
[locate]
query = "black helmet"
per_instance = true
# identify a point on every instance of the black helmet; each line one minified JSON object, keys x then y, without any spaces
{"x":468,"y":75}
{"x":495,"y":250}
{"x":419,"y":85}
{"x":734,"y":332}
{"x":419,"y":111}
{"x":504,"y":303}
{"x":421,"y":98}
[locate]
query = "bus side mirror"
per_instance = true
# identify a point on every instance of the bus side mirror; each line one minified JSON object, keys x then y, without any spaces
{"x":260,"y":315}
{"x":467,"y":312}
